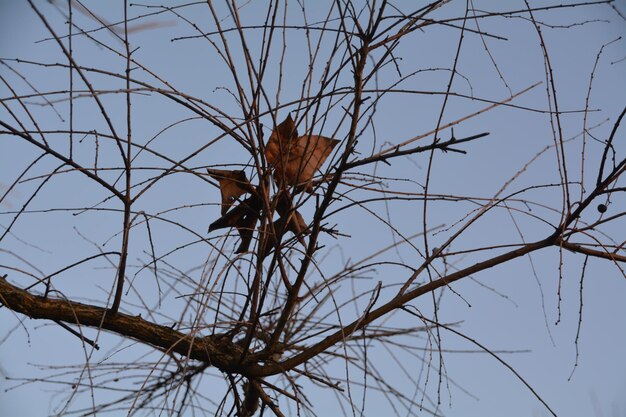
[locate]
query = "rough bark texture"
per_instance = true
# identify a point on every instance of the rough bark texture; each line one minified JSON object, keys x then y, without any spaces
{"x":216,"y":350}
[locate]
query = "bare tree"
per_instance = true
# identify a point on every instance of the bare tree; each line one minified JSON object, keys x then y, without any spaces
{"x":319,"y":192}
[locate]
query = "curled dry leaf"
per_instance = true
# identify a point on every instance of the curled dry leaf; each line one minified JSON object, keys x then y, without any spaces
{"x":296,"y":158}
{"x":232,"y":185}
{"x":243,"y":217}
{"x":272,"y":235}
{"x":290,"y":220}
{"x":246,"y":227}
{"x":296,"y":223}
{"x":275,"y":232}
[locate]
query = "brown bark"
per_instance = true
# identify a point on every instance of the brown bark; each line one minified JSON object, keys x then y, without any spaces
{"x":215,"y":350}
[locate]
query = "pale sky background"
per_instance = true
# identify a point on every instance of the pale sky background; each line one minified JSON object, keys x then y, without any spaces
{"x":514,"y":321}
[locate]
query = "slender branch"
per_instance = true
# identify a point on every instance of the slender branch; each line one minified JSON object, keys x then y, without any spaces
{"x":68,"y":161}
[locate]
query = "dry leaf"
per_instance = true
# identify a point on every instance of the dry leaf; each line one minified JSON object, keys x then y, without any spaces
{"x":246,"y":228}
{"x":232,"y":185}
{"x":280,"y":141}
{"x":243,"y":217}
{"x":296,"y":223}
{"x":306,"y":157}
{"x":290,"y":220}
{"x":272,"y":239}
{"x":295,"y":159}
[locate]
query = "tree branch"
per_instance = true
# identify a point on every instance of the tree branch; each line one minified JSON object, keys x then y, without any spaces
{"x":216,"y":350}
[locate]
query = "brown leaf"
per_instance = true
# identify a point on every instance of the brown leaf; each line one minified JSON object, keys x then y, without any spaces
{"x":272,"y":239}
{"x":295,"y":159}
{"x":296,"y":223}
{"x":290,"y":220}
{"x":280,"y":140}
{"x":244,"y":218}
{"x":246,"y":228}
{"x":232,"y":185}
{"x":306,"y":157}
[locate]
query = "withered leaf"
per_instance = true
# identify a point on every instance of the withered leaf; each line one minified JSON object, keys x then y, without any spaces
{"x":244,"y":218}
{"x":306,"y":157}
{"x":280,"y":140}
{"x":279,"y":227}
{"x":246,"y":228}
{"x":296,"y":158}
{"x":232,"y":185}
{"x":296,"y":223}
{"x":290,"y":220}
{"x":271,"y":238}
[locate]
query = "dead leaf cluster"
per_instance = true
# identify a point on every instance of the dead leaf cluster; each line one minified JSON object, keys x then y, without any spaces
{"x":293,"y":161}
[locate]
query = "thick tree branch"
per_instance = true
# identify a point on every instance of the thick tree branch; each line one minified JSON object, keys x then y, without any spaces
{"x":215,"y":350}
